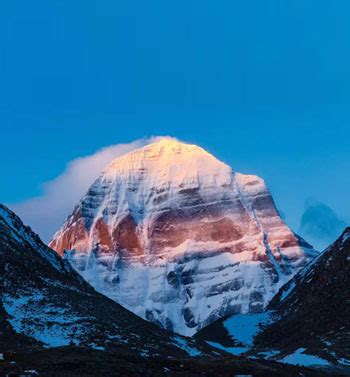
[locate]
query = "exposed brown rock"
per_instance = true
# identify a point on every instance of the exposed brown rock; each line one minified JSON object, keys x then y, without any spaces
{"x":125,"y":238}
{"x":74,"y":237}
{"x":100,"y":232}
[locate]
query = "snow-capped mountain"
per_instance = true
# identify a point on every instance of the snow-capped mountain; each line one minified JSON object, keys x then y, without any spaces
{"x":45,"y":303}
{"x":180,"y":239}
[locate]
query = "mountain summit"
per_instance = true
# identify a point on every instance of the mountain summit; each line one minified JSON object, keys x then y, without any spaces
{"x":179,"y":238}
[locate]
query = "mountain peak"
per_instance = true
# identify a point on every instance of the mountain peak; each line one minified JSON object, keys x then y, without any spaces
{"x":177,"y":237}
{"x":12,"y":228}
{"x":169,"y":162}
{"x":170,"y":142}
{"x":172,"y":145}
{"x":166,"y":146}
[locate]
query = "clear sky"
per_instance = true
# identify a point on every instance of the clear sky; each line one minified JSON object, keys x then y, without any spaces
{"x":263,"y":85}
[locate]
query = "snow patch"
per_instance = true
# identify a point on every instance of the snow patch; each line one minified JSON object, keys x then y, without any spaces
{"x":287,"y":291}
{"x":232,"y":350}
{"x":33,"y":372}
{"x":303,"y":359}
{"x":344,"y":362}
{"x":268,"y":354}
{"x":244,"y":327}
{"x":187,"y":346}
{"x":55,"y":327}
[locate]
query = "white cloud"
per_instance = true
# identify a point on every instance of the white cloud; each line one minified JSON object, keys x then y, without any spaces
{"x":45,"y":214}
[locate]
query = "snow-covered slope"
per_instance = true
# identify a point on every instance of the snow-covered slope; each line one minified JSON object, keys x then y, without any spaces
{"x":179,"y":238}
{"x":306,"y":323}
{"x":45,"y":303}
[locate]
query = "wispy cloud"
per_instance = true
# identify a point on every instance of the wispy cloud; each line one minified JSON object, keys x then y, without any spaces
{"x":46,"y":213}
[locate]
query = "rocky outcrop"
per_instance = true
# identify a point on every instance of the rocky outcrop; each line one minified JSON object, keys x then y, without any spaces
{"x":306,"y":323}
{"x":45,"y":304}
{"x":180,"y":239}
{"x":312,"y":310}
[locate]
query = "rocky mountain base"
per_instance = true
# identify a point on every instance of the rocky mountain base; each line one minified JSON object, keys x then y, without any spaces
{"x":66,"y":362}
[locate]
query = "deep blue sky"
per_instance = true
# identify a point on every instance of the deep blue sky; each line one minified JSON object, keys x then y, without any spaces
{"x":264,"y":85}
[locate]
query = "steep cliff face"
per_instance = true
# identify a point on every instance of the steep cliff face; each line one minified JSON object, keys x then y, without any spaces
{"x":179,"y":238}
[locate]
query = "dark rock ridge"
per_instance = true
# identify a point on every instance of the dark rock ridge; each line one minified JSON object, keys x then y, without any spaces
{"x":45,"y":302}
{"x":307,"y":321}
{"x":312,"y":311}
{"x":82,"y":362}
